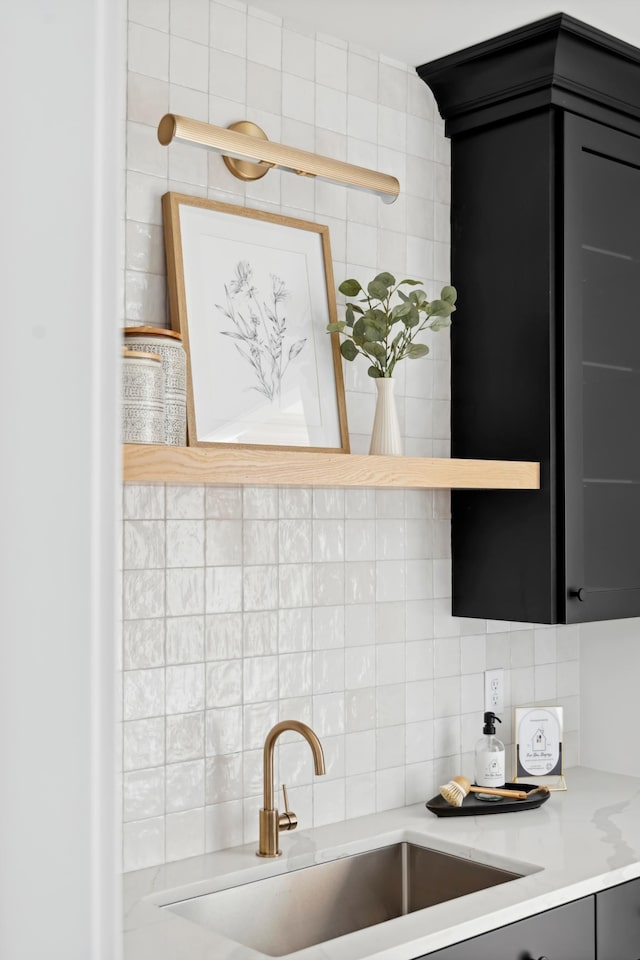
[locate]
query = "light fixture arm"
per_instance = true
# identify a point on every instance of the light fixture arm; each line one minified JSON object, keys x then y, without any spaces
{"x":237,"y":145}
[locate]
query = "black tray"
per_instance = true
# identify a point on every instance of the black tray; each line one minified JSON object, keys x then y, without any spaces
{"x":472,"y":807}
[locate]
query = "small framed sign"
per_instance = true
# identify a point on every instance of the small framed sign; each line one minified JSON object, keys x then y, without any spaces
{"x":539,"y":746}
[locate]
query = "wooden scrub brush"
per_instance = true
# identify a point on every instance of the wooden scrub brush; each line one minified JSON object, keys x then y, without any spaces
{"x":458,"y":788}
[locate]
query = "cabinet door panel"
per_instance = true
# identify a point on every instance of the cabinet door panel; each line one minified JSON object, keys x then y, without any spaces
{"x":618,"y":922}
{"x":610,"y":179}
{"x":611,"y":335}
{"x":566,"y":933}
{"x":604,"y":457}
{"x":611,"y":537}
{"x":601,"y":349}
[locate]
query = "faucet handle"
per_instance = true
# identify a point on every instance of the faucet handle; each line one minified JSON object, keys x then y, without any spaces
{"x":287,"y":820}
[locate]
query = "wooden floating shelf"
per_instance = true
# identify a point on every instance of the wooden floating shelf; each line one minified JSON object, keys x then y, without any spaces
{"x":233,"y":466}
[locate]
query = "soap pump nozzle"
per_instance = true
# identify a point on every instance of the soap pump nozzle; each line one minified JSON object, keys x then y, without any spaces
{"x":489,"y":722}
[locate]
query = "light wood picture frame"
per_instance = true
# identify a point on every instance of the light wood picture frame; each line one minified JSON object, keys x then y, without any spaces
{"x":538,"y":741}
{"x":252,"y":293}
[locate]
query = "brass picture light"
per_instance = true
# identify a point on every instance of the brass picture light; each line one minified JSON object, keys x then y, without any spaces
{"x":249,"y":154}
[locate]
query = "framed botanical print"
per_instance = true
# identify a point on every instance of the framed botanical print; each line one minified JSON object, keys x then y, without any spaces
{"x":252,"y":293}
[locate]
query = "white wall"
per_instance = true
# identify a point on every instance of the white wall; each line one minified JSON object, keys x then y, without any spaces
{"x":423,"y":30}
{"x":58,"y":276}
{"x":609,"y":675}
{"x":335,"y":605}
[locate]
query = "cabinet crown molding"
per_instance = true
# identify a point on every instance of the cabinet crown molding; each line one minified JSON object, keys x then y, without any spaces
{"x":557,"y":61}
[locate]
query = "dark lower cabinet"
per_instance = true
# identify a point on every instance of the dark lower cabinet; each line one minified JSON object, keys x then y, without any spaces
{"x":602,"y":927}
{"x":618,"y":922}
{"x":566,"y":933}
{"x":545,"y":344}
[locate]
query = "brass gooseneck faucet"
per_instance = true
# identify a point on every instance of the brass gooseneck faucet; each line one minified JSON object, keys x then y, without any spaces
{"x":272,"y":822}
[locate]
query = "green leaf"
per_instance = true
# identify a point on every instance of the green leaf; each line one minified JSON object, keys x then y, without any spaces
{"x":403,"y":296}
{"x":417,"y":350}
{"x":402,"y":310}
{"x":375,"y":350}
{"x":449,"y":294}
{"x":440,"y":324}
{"x":348,"y":350}
{"x":372,"y":325}
{"x":413,"y":283}
{"x":413,"y":319}
{"x":336,"y":327}
{"x":350,"y":288}
{"x":359,"y":327}
{"x":387,"y":279}
{"x":440,"y":308}
{"x":355,"y":308}
{"x":419,"y":297}
{"x":349,"y":315}
{"x":375,"y":373}
{"x":376,"y":290}
{"x":375,"y":329}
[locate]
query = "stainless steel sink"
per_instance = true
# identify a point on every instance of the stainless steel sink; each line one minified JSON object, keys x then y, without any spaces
{"x":282,"y":914}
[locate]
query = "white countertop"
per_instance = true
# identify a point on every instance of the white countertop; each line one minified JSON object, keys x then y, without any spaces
{"x":583,"y":840}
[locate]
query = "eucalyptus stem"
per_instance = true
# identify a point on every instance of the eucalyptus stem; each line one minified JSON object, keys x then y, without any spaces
{"x":369,"y":321}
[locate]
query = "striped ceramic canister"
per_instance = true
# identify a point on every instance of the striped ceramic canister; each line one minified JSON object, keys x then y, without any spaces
{"x":168,"y":345}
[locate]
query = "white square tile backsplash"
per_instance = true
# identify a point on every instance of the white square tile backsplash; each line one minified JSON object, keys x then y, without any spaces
{"x":246,"y":606}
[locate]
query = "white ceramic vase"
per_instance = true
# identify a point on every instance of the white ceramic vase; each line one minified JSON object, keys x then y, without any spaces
{"x":385,"y":436}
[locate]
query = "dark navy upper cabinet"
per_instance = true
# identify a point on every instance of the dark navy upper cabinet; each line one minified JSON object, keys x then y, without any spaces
{"x":545,"y":347}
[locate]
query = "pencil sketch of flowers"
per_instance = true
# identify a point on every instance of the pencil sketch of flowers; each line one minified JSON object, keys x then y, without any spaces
{"x":259,"y":329}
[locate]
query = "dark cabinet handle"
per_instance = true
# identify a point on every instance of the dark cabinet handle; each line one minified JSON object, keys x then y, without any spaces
{"x":581,"y":595}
